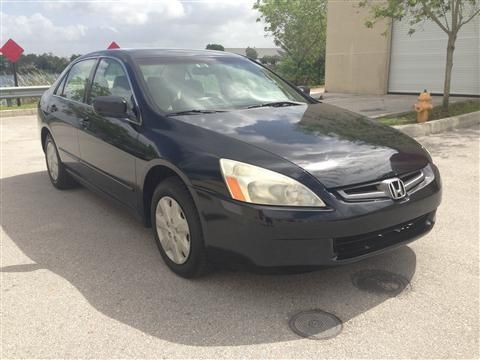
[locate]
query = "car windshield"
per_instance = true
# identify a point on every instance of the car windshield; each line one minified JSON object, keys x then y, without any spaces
{"x":208,"y":84}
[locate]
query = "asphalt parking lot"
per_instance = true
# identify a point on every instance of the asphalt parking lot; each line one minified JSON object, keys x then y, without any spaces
{"x":82,"y":279}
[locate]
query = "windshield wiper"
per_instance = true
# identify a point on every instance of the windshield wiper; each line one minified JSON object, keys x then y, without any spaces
{"x":275,"y":104}
{"x":194,"y":111}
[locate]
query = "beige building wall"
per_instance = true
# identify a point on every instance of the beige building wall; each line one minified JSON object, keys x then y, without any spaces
{"x":357,"y":58}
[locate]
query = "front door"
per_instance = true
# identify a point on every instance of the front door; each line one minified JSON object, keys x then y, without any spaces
{"x":108,"y":146}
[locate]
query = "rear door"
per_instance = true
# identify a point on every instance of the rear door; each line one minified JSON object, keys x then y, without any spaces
{"x":109,"y":146}
{"x":66,"y":110}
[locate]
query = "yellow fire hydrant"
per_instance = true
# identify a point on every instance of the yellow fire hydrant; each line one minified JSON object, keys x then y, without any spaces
{"x":423,"y":106}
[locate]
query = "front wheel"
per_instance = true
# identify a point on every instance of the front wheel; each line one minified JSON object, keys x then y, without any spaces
{"x":177,"y":229}
{"x":59,"y":177}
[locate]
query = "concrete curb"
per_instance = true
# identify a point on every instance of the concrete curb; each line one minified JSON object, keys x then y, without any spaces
{"x":441,"y":125}
{"x":19,"y":112}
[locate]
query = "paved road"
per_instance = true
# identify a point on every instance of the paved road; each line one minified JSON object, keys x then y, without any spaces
{"x":81,"y":278}
{"x":376,"y":105}
{"x":380,"y":105}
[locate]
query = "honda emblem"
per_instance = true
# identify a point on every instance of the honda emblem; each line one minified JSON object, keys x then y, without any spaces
{"x":396,"y":188}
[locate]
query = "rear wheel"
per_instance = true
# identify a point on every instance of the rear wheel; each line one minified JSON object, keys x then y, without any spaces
{"x":177,"y":229}
{"x":59,"y":177}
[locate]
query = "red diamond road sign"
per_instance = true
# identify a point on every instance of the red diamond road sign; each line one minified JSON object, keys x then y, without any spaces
{"x":113,"y":45}
{"x":11,"y":50}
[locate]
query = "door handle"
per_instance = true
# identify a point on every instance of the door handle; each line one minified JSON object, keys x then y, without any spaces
{"x":84,"y":122}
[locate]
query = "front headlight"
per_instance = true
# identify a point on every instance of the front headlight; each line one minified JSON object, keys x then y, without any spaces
{"x":256,"y":185}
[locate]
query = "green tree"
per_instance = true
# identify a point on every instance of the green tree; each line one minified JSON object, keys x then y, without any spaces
{"x":449,"y":15}
{"x":215,"y":47}
{"x":265,"y":60}
{"x":47,"y":63}
{"x":74,"y":56}
{"x":251,"y":53}
{"x":299,"y":28}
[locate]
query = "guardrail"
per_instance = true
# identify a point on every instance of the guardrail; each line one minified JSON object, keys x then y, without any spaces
{"x":22,"y":91}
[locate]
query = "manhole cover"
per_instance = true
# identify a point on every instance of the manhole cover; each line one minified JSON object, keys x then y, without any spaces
{"x":315,"y":324}
{"x":380,"y":282}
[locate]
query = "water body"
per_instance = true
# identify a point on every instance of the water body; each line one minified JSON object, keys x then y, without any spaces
{"x":28,"y":79}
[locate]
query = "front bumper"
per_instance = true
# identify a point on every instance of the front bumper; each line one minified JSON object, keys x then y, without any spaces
{"x":273,"y":236}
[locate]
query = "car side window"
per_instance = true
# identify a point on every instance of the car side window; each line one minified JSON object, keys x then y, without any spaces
{"x":111,"y":80}
{"x":77,"y":80}
{"x":60,"y":86}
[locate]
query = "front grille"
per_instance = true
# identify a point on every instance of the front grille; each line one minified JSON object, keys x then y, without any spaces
{"x":375,"y":190}
{"x":353,"y":246}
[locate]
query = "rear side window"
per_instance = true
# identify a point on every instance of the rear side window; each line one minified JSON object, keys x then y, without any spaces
{"x":111,"y":79}
{"x":77,"y":80}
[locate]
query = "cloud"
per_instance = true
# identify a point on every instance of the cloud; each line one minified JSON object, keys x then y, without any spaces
{"x":80,"y":27}
{"x":131,"y":12}
{"x":128,"y":12}
{"x":36,"y":28}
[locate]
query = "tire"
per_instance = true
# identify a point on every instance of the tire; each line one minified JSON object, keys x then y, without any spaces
{"x":59,"y":177}
{"x":178,"y":232}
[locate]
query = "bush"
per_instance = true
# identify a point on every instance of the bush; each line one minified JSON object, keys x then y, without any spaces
{"x":309,"y":73}
{"x":215,"y":47}
{"x":251,"y":53}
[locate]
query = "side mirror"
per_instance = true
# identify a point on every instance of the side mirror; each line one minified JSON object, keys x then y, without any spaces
{"x":305,"y":89}
{"x":113,"y":106}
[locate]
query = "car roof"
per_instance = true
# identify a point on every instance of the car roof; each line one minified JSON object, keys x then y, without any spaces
{"x":163,"y":53}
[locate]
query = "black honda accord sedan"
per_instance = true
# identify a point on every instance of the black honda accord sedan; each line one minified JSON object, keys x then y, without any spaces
{"x":226,"y":160}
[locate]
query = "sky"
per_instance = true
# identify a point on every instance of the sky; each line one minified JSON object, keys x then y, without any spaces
{"x":78,"y":27}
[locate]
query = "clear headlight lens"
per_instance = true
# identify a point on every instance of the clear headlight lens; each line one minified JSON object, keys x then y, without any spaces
{"x":257,"y":185}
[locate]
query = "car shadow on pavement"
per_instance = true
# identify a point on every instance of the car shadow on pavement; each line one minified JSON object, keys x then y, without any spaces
{"x":113,"y":262}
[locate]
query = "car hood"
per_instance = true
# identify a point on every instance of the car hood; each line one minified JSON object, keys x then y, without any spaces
{"x":336,"y":146}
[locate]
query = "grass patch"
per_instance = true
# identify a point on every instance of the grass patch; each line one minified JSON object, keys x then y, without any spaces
{"x":29,"y":105}
{"x":455,"y":109}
